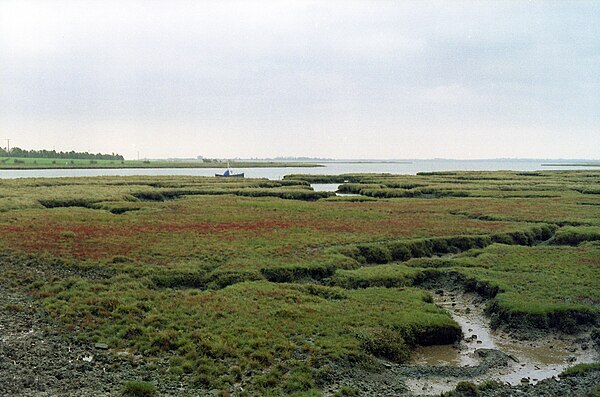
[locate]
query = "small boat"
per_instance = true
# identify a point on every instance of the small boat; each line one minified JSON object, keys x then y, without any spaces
{"x":229,"y":174}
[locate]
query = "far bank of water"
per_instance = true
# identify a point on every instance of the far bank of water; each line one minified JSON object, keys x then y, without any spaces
{"x":329,"y":168}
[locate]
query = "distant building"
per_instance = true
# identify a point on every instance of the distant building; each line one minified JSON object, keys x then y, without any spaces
{"x":200,"y":159}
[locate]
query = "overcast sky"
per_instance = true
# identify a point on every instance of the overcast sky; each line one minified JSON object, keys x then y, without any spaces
{"x":372,"y":79}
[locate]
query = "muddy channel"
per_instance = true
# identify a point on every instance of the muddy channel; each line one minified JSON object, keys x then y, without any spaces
{"x":486,"y":354}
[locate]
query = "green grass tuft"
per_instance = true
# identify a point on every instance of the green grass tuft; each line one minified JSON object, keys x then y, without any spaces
{"x":580,"y":369}
{"x":136,"y":388}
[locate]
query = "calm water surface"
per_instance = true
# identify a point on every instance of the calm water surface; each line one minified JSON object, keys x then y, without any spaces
{"x":328,"y":168}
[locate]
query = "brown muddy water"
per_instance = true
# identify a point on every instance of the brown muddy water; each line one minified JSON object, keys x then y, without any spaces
{"x":530,"y":361}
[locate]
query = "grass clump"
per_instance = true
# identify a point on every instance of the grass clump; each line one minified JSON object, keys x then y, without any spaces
{"x":385,"y":343}
{"x":580,"y":369}
{"x":375,"y":276}
{"x":571,"y":235}
{"x":136,"y":388}
{"x":463,"y":389}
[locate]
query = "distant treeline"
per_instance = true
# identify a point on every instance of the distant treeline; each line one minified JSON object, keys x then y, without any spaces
{"x":53,"y":154}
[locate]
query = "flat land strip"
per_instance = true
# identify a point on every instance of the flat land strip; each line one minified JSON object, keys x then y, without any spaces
{"x":14,"y":163}
{"x":571,"y":165}
{"x":259,"y":287}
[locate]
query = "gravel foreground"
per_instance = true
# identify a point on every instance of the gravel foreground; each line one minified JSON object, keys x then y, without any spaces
{"x":38,"y":358}
{"x":390,"y":382}
{"x":580,"y":386}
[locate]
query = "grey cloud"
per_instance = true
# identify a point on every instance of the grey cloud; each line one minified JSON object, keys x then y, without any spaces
{"x":283,"y":67}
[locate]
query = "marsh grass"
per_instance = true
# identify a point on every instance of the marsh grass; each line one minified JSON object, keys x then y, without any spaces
{"x":527,"y":285}
{"x":580,"y":369}
{"x":136,"y":388}
{"x":576,"y":235}
{"x":265,"y":284}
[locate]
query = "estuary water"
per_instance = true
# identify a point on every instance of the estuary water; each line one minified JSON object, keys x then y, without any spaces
{"x":333,"y":168}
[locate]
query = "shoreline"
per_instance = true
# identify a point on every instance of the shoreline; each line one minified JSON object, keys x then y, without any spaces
{"x":571,"y":165}
{"x":162,"y":165}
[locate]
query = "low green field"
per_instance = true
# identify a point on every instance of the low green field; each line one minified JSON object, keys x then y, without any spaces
{"x":267,"y":286}
{"x":15,"y":163}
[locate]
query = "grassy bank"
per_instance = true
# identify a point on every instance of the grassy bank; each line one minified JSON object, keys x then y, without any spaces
{"x":266,"y":286}
{"x":14,"y":163}
{"x":526,"y":286}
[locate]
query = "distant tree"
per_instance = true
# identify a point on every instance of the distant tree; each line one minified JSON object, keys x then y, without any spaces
{"x":53,"y":154}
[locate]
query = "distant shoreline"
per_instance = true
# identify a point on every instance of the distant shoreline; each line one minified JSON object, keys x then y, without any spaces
{"x":364,"y":162}
{"x":571,"y":165}
{"x":129,"y":164}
